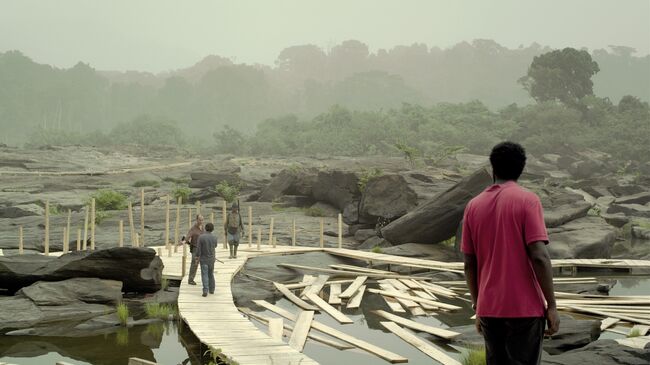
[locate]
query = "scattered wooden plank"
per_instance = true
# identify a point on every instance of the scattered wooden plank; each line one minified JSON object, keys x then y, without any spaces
{"x":420,"y":344}
{"x":301,"y":330}
{"x":307,"y":280}
{"x":356,"y":284}
{"x":335,"y":291}
{"x":375,"y":350}
{"x":609,"y":314}
{"x":393,"y":304}
{"x":303,"y":285}
{"x":276,"y":328}
{"x":636,"y":342}
{"x":349,"y":273}
{"x":424,"y":295}
{"x":293,"y":298}
{"x":417,"y":311}
{"x":439,"y":332}
{"x":342,"y":318}
{"x":360,"y":269}
{"x":316,"y":286}
{"x":404,"y":302}
{"x":608,"y":322}
{"x":415,"y":299}
{"x":355,"y":301}
{"x":643,"y":329}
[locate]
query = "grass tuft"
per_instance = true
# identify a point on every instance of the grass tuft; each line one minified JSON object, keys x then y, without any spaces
{"x":475,"y":356}
{"x":161,"y":311}
{"x":145,"y":183}
{"x":376,"y":249}
{"x":123,"y":313}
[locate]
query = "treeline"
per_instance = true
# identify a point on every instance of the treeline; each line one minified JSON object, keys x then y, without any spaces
{"x":306,"y":81}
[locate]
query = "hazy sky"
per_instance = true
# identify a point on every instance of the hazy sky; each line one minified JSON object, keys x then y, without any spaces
{"x":158,"y":35}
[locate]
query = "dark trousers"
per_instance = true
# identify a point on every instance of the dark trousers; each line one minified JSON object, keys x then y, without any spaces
{"x":193,"y":265}
{"x":513,"y":341}
{"x":207,"y":276}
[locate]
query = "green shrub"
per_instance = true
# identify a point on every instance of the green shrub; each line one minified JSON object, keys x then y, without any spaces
{"x":164,"y":283}
{"x":475,"y":356}
{"x":376,"y":249}
{"x":181,"y":191}
{"x":229,"y":192}
{"x":101,"y":216}
{"x":161,"y":311}
{"x":178,"y":181}
{"x":54,"y":209}
{"x":367,"y":175}
{"x":634,"y":333}
{"x":106,"y":199}
{"x":123,"y":313}
{"x":143,"y":183}
{"x":314,"y":212}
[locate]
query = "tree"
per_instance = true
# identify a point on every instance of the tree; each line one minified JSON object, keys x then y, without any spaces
{"x":561,"y":75}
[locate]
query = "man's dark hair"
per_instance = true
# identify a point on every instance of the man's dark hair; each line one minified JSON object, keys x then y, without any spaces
{"x":508,"y":160}
{"x":209,"y":227}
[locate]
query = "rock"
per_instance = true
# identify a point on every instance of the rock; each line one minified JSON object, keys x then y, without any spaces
{"x":387,"y":196}
{"x":373,"y":242}
{"x":584,"y":238}
{"x":617,"y":220}
{"x":324,"y":210}
{"x":642,"y":233}
{"x":336,"y":187}
{"x":363,"y":234}
{"x":573,"y":334}
{"x":295,"y":201}
{"x":289,"y":182}
{"x":203,"y":195}
{"x":21,"y":211}
{"x":89,"y":290}
{"x":585,"y":169}
{"x":423,"y":250}
{"x":211,"y":179}
{"x":351,"y":213}
{"x":437,"y":219}
{"x":635,"y":210}
{"x":556,"y":217}
{"x":625,"y":190}
{"x":139,"y":269}
{"x":640,"y":198}
{"x":601,"y":352}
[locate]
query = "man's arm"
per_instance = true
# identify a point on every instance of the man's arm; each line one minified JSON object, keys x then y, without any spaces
{"x":471,"y":269}
{"x":541,"y":261}
{"x":197,"y":252}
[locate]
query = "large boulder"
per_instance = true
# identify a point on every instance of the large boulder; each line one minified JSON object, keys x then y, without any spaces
{"x":89,"y":290}
{"x":584,"y":238}
{"x":202,"y":179}
{"x":139,"y":269}
{"x":601,"y":352}
{"x":557,"y":216}
{"x":640,"y":198}
{"x":437,"y":219}
{"x":635,"y":210}
{"x":337,"y":188}
{"x":289,"y":182}
{"x":387,"y":196}
{"x":24,"y":210}
{"x":573,"y":334}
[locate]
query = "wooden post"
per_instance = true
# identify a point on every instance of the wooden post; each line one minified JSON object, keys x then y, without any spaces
{"x":137,"y":240}
{"x":177,"y":227}
{"x":86,"y":227}
{"x":78,"y":239}
{"x":293,"y":233}
{"x":224,"y":213}
{"x":159,"y":252}
{"x":132,"y":225}
{"x":167,"y":223}
{"x":340,"y":230}
{"x":259,"y":238}
{"x":92,"y":224}
{"x":20,"y":240}
{"x":65,"y":241}
{"x":47,"y":229}
{"x":120,"y":243}
{"x":250,"y":227}
{"x":275,"y":242}
{"x":189,"y":218}
{"x":198,"y":207}
{"x":67,"y":235}
{"x":322,"y":238}
{"x":271,"y":232}
{"x":212,"y":217}
{"x":141,"y":218}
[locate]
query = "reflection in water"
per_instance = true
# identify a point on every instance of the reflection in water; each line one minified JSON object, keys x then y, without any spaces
{"x":122,"y":336}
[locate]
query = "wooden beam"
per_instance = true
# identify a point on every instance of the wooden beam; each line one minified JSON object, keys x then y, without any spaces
{"x":348,"y":273}
{"x":46,"y":243}
{"x":355,"y":301}
{"x":356,"y":284}
{"x":316,"y":286}
{"x":335,"y":291}
{"x":131,"y":226}
{"x":293,"y":298}
{"x":420,"y":344}
{"x":276,"y":328}
{"x":299,"y":334}
{"x":439,"y":332}
{"x":20,"y":240}
{"x":608,"y":322}
{"x":608,"y":314}
{"x":415,"y":299}
{"x":342,"y":318}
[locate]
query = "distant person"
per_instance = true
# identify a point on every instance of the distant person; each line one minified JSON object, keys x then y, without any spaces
{"x":206,"y":256}
{"x":233,"y":226}
{"x":507,"y":267}
{"x":193,"y":238}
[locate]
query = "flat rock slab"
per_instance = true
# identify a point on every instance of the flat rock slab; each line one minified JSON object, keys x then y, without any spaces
{"x":89,"y":290}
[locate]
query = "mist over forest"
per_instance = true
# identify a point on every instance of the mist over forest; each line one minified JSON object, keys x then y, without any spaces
{"x":342,"y":101}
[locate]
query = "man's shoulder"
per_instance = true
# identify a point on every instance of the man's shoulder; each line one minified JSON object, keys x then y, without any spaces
{"x":524,"y":194}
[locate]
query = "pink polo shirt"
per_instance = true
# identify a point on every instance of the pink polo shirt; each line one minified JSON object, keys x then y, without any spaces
{"x":497,"y":226}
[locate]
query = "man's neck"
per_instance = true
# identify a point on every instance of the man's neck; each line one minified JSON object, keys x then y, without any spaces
{"x":502,"y":181}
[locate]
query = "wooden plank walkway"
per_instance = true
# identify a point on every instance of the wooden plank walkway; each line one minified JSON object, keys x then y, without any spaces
{"x":216,"y":321}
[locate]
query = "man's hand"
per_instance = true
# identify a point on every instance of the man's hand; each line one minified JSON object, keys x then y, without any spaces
{"x":477,"y":323}
{"x":552,"y":321}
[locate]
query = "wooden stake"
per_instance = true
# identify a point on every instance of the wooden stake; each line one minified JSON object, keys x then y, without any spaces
{"x":259,"y":238}
{"x":293,"y":233}
{"x":322,"y":238}
{"x":142,"y":217}
{"x":20,"y":240}
{"x":340,"y":230}
{"x":92,"y":224}
{"x":167,"y":222}
{"x":78,"y":239}
{"x":271,"y":233}
{"x":177,"y":227}
{"x":131,"y":225}
{"x":198,"y":207}
{"x":212,"y":217}
{"x":86,"y":227}
{"x":120,"y":243}
{"x":250,"y":227}
{"x":189,"y":218}
{"x":224,"y":216}
{"x":47,"y":229}
{"x":65,"y":241}
{"x":67,"y":235}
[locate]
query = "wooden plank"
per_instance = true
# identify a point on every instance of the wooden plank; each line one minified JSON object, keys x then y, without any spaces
{"x":355,"y":301}
{"x":440,"y":332}
{"x":375,"y":350}
{"x":304,"y":285}
{"x":342,"y":318}
{"x":349,"y":273}
{"x":335,"y":291}
{"x":359,"y":269}
{"x":136,"y":361}
{"x":608,"y":322}
{"x":293,"y":298}
{"x":299,"y":334}
{"x":316,"y":286}
{"x":609,"y":314}
{"x":643,"y":329}
{"x":415,"y":299}
{"x":417,"y":311}
{"x":393,"y":304}
{"x":356,"y":284}
{"x":420,"y":344}
{"x":276,"y":328}
{"x":404,"y":302}
{"x":635,"y":342}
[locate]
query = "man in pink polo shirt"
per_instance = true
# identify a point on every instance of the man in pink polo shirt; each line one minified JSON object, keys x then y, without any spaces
{"x":507,"y":267}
